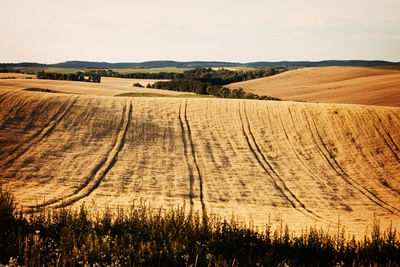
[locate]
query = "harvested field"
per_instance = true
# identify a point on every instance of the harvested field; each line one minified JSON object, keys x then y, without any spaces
{"x":17,"y":76}
{"x":351,"y":85}
{"x":108,"y":86}
{"x":301,"y":163}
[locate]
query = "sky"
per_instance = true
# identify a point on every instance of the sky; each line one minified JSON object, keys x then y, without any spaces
{"x":52,"y":31}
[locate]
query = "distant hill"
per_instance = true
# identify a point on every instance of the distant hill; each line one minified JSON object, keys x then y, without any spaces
{"x":22,"y":64}
{"x":337,"y":84}
{"x":202,"y":64}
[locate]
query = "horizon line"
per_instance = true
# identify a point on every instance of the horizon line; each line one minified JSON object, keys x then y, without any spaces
{"x":188,"y":61}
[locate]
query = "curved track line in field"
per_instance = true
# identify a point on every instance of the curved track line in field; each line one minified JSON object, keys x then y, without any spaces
{"x":102,"y":168}
{"x":38,"y":136}
{"x":31,"y":138}
{"x":395,"y":115}
{"x":315,"y":176}
{"x":207,"y":118}
{"x":282,"y":188}
{"x":185,"y":151}
{"x":374,"y":122}
{"x":339,"y":170}
{"x":383,"y":181}
{"x":3,"y":97}
{"x":223,"y":129}
{"x":388,"y":133}
{"x":258,"y":158}
{"x":193,"y":153}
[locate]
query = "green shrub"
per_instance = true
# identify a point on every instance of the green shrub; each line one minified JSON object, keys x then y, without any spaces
{"x":11,"y":226}
{"x":137,"y":85}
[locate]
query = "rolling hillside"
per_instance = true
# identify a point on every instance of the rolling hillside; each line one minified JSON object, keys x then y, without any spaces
{"x":301,"y":163}
{"x":107,"y":87}
{"x":330,"y":85}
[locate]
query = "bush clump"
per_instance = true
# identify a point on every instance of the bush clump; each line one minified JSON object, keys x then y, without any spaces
{"x":137,"y":85}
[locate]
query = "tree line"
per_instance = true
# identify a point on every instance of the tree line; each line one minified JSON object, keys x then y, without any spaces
{"x":4,"y":70}
{"x":138,"y":75}
{"x":225,"y":76}
{"x":208,"y":75}
{"x":91,"y":76}
{"x":207,"y":81}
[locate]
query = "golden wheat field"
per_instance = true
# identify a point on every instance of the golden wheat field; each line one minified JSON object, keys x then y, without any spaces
{"x":16,"y":76}
{"x":353,"y":85}
{"x":107,"y":87}
{"x":300,"y":163}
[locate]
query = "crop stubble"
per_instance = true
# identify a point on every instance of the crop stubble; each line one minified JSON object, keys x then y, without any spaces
{"x":300,"y":163}
{"x":354,"y":85}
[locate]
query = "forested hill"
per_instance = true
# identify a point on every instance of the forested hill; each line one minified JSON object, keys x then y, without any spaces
{"x":202,"y":64}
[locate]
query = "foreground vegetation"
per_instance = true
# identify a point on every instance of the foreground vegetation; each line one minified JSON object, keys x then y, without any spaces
{"x":141,"y":236}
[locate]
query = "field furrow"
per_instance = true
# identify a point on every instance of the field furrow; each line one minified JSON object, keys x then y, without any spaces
{"x":193,"y":154}
{"x":185,"y":151}
{"x":22,"y":148}
{"x":274,"y":145}
{"x":255,"y":149}
{"x":342,"y":173}
{"x":101,"y":169}
{"x":385,"y":135}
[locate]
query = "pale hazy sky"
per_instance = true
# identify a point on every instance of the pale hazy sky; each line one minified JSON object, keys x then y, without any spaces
{"x":51,"y":31}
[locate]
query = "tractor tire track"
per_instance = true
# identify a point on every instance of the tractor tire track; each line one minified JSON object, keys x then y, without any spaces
{"x":101,"y":169}
{"x":388,"y":131}
{"x":193,"y":153}
{"x":278,"y":182}
{"x":32,"y":137}
{"x":185,"y":151}
{"x":339,"y":170}
{"x":315,"y":176}
{"x":3,"y":97}
{"x":383,"y":181}
{"x":374,"y":122}
{"x":38,"y":136}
